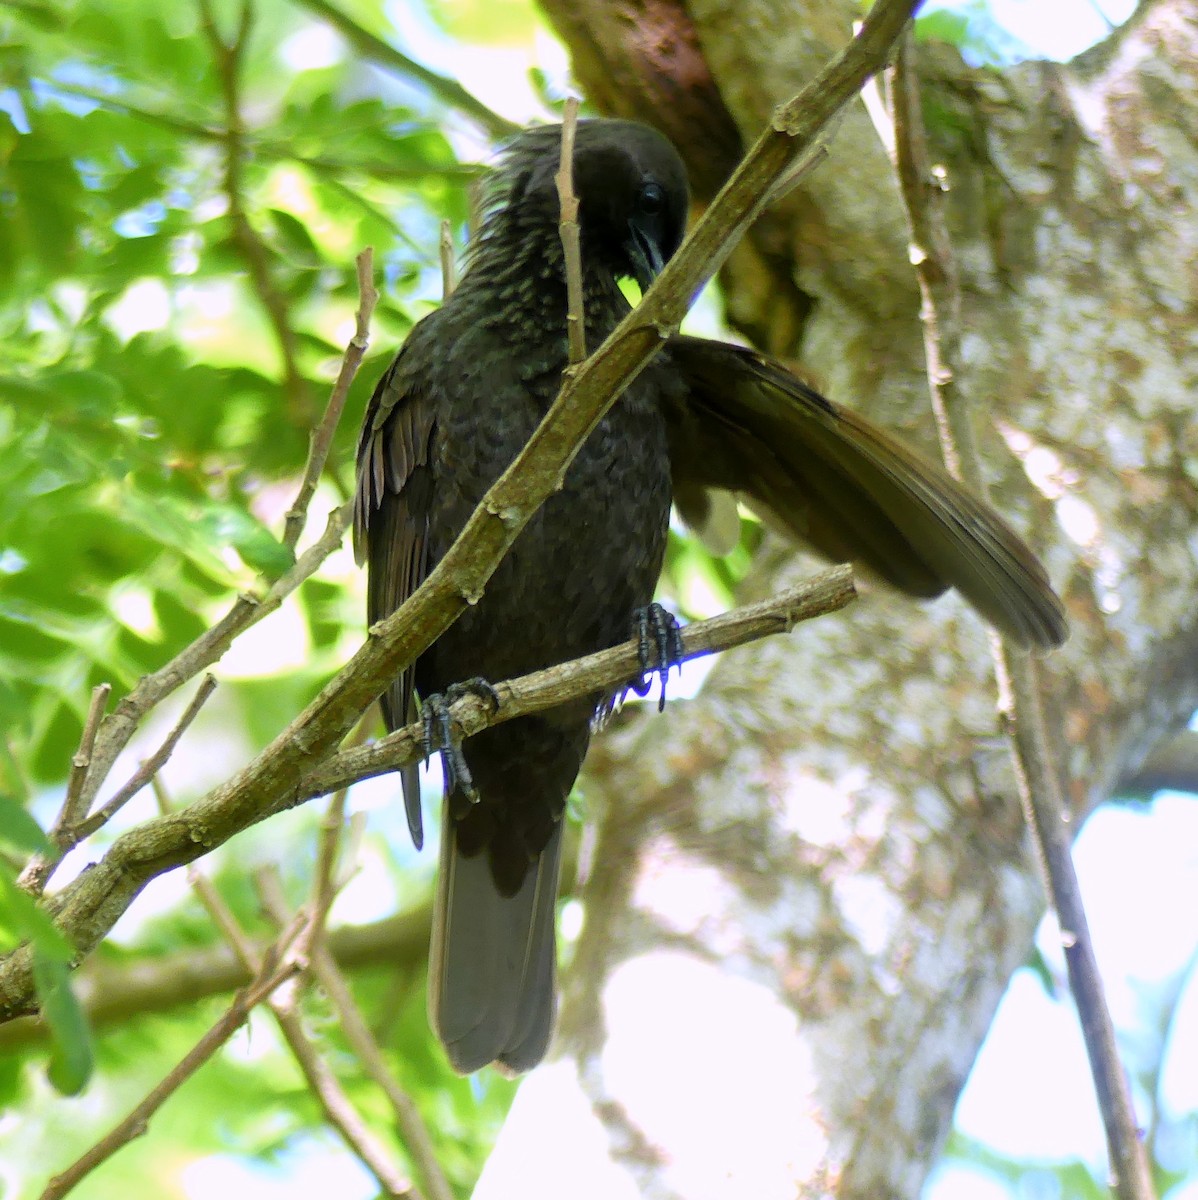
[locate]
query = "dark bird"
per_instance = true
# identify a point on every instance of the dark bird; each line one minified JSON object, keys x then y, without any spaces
{"x":459,"y":402}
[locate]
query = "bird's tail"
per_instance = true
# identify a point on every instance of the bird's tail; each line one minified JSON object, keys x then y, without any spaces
{"x":492,"y":960}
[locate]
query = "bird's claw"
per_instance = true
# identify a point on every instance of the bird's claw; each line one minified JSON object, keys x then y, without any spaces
{"x":438,"y":732}
{"x":659,"y":647}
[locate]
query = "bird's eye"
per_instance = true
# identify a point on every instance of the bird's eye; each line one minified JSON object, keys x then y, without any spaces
{"x":652,"y":199}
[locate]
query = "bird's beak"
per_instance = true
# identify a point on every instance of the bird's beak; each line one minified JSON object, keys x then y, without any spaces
{"x":645,"y":252}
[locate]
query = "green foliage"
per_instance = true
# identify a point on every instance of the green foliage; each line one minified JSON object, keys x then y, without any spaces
{"x":22,"y":919}
{"x":143,"y":420}
{"x":152,"y":435}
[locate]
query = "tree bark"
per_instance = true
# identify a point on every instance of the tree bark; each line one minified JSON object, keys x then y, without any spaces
{"x":812,"y":883}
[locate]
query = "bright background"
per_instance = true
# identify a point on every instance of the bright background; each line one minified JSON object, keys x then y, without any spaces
{"x":1021,"y":1129}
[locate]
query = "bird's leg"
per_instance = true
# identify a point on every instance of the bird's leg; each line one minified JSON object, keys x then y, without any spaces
{"x":659,"y":646}
{"x":438,"y":732}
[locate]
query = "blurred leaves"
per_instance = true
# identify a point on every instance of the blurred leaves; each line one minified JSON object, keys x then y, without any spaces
{"x":142,"y":426}
{"x":147,"y":458}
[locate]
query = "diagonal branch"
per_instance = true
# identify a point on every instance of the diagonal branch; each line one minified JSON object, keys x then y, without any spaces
{"x":374,"y":49}
{"x":265,"y":982}
{"x":148,"y":770}
{"x":74,"y":806}
{"x":322,"y":437}
{"x":576,"y":330}
{"x":88,"y":908}
{"x":419,"y":1143}
{"x":117,"y":729}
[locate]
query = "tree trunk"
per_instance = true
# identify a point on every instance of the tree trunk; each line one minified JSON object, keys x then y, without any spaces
{"x":812,"y":883}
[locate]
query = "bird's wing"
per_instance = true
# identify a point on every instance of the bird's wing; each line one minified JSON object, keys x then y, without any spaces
{"x":847,"y":488}
{"x":391,"y":505}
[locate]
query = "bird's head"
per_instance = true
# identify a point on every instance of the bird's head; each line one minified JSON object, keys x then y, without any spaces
{"x":631,"y":188}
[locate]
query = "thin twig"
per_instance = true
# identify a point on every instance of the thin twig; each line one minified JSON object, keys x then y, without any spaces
{"x":603,"y":672}
{"x":338,"y":1108}
{"x":229,"y":57}
{"x":247,"y":610}
{"x":1037,"y":772}
{"x":448,"y":274}
{"x":148,"y":769}
{"x":87,"y":908}
{"x":373,"y":49}
{"x":370,"y":1054}
{"x":137,"y":1122}
{"x":571,"y":245}
{"x":322,"y":437}
{"x":73,"y":807}
{"x":41,"y":866}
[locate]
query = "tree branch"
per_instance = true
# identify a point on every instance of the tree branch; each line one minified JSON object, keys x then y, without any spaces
{"x":41,"y":866}
{"x":370,"y":1055}
{"x":339,"y":1110}
{"x":119,"y":726}
{"x":1020,"y":677}
{"x":300,"y":934}
{"x":602,"y":672}
{"x":322,"y":437}
{"x":375,"y":50}
{"x":135,"y":1124}
{"x":228,"y":57}
{"x":113,"y":993}
{"x":148,"y":770}
{"x":117,"y":729}
{"x":88,"y":908}
{"x":576,"y":330}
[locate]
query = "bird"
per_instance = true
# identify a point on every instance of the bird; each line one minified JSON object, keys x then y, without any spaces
{"x":459,"y":401}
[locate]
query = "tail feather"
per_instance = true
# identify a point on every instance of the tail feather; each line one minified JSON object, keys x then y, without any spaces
{"x":492,"y":960}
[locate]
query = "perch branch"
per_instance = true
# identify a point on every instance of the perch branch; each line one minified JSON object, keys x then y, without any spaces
{"x":87,"y":909}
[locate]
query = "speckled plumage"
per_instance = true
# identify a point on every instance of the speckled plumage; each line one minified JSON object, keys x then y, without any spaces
{"x":461,"y":399}
{"x":471,"y":383}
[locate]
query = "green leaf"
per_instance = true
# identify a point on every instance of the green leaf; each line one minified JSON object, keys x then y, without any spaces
{"x":258,"y":547}
{"x":19,"y":830}
{"x":942,"y":26}
{"x":71,"y":1056}
{"x":23,"y":919}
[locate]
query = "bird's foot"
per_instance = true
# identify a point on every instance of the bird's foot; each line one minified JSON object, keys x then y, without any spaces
{"x":659,"y":647}
{"x":438,"y":732}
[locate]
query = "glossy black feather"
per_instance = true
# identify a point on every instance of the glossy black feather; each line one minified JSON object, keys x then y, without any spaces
{"x":849,"y":489}
{"x":462,"y":397}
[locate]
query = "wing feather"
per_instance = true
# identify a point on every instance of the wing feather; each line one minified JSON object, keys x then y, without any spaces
{"x":849,"y":489}
{"x":391,"y":506}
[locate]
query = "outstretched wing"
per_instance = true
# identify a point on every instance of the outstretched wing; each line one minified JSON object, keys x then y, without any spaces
{"x":848,"y":489}
{"x":391,"y":507}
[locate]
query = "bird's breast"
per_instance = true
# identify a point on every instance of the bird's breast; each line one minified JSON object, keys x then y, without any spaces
{"x":586,"y":559}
